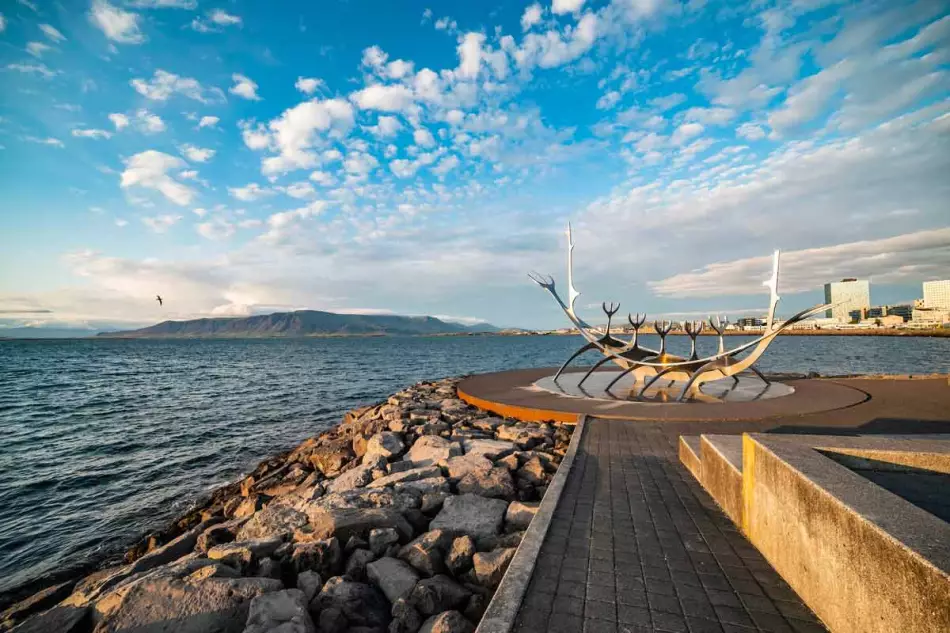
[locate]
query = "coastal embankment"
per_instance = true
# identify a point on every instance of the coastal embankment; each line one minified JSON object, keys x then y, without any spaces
{"x":403,"y":518}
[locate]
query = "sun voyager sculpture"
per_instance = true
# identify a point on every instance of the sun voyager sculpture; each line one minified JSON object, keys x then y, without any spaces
{"x":649,"y":365}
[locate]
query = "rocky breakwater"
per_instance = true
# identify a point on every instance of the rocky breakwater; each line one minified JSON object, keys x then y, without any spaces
{"x":401,"y":519}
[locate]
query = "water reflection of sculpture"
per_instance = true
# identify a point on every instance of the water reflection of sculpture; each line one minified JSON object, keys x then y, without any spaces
{"x":649,"y":365}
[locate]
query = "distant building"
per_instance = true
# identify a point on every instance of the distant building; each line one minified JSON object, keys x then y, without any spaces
{"x":847,"y":295}
{"x":884,"y":321}
{"x":937,"y":294}
{"x":906,"y":312}
{"x":750,"y":322}
{"x":855,"y":316}
{"x":931,"y":317}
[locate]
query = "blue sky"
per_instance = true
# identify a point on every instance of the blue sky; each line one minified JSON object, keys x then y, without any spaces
{"x":421,"y":157}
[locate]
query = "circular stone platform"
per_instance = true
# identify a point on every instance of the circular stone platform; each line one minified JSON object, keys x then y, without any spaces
{"x":746,"y":389}
{"x":529,"y":394}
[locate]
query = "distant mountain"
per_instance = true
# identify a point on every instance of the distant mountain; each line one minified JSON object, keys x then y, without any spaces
{"x":45,"y":332}
{"x":302,"y":323}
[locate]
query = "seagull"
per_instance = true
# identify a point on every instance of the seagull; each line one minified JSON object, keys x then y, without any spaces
{"x":159,"y":299}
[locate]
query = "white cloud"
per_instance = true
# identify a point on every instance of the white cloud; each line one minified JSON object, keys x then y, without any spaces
{"x":52,"y":33}
{"x":560,"y":7}
{"x":250,"y":192}
{"x":423,"y":137}
{"x":807,"y":98}
{"x":300,"y":190}
{"x":208,"y":121}
{"x":196,"y":154}
{"x":161,"y":223}
{"x":3,"y":23}
{"x":531,"y":16}
{"x":323,"y":178}
{"x":308,"y":85}
{"x":148,"y":122}
{"x":216,"y":229}
{"x":386,"y":98}
{"x":164,"y":84}
{"x":608,"y":101}
{"x":556,"y":48}
{"x":119,"y":222}
{"x":119,"y":120}
{"x":887,"y":259}
{"x":750,"y":131}
{"x":386,"y":127}
{"x":163,"y":4}
{"x":296,"y":132}
{"x":49,"y":140}
{"x":470,"y":55}
{"x":244,"y":87}
{"x":446,"y":165}
{"x":36,"y":49}
{"x":279,"y":225}
{"x":223,"y":18}
{"x":91,"y":133}
{"x":669,"y":101}
{"x":149,"y":169}
{"x":685,"y":132}
{"x":710,"y":116}
{"x":215,"y":22}
{"x":189,"y":174}
{"x":117,"y":25}
{"x":399,"y":68}
{"x":360,"y":163}
{"x":33,"y":69}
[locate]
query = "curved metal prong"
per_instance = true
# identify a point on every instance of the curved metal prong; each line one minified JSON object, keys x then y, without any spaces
{"x":586,"y":348}
{"x":593,"y":369}
{"x":622,"y":374}
{"x":653,"y":379}
{"x":759,"y":374}
{"x":545,"y":281}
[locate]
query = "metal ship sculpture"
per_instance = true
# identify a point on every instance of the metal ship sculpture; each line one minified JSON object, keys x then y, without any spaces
{"x":649,"y":365}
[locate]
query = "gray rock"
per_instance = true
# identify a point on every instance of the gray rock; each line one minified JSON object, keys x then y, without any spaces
{"x":496,"y":482}
{"x":424,"y":554}
{"x":458,"y":467}
{"x":489,"y":449}
{"x":355,"y":543}
{"x":395,"y":578}
{"x":39,"y":601}
{"x":470,"y":514}
{"x":324,"y":557}
{"x":526,"y":436}
{"x":217,"y":534}
{"x":268,"y":568}
{"x":405,"y":618}
{"x":331,"y":456}
{"x":423,"y":486}
{"x":249,"y":506}
{"x":433,"y":500}
{"x":487,"y":424}
{"x":532,"y":471}
{"x":361,"y":604}
{"x":371,"y":497}
{"x":399,"y":467}
{"x":61,"y":619}
{"x":413,"y":474}
{"x":272,"y":521}
{"x":242,"y":554}
{"x":459,"y":559}
{"x":309,"y":582}
{"x":476,"y":607}
{"x":355,"y":568}
{"x":346,"y":522}
{"x":286,"y":609}
{"x":192,"y":605}
{"x":491,"y":566}
{"x":386,"y":444}
{"x":381,"y":538}
{"x":332,"y":620}
{"x":499,"y":541}
{"x":447,"y":622}
{"x":353,"y":478}
{"x":437,"y":594}
{"x":430,"y":450}
{"x":519,"y":514}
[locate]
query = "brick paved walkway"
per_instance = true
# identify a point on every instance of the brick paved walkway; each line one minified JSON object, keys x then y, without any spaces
{"x":637,"y":545}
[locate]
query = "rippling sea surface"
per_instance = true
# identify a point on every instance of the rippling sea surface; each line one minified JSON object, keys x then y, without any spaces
{"x":103,"y":440}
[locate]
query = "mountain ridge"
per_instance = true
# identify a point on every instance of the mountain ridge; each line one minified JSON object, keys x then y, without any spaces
{"x":301,"y":323}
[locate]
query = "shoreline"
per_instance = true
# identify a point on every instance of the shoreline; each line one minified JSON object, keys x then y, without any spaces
{"x":421,"y":487}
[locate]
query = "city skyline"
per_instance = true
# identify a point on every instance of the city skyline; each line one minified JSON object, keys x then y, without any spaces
{"x":421,"y":159}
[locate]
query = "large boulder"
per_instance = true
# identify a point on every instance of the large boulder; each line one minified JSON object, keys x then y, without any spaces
{"x":458,"y":467}
{"x":533,"y":472}
{"x":194,"y":604}
{"x":489,"y":449}
{"x":386,"y":444}
{"x":459,"y":558}
{"x":39,"y":601}
{"x":395,"y":578}
{"x":519,"y":514}
{"x":61,"y":619}
{"x":346,"y":522}
{"x":359,"y":603}
{"x":413,"y":474}
{"x":353,"y":478}
{"x":447,"y":622}
{"x":324,"y":557}
{"x":363,"y":498}
{"x":285,"y":609}
{"x":405,"y":618}
{"x":476,"y":516}
{"x":243,"y":554}
{"x":381,"y":538}
{"x":437,"y":594}
{"x":355,"y":568}
{"x":310,"y":583}
{"x":331,"y":456}
{"x":273,"y":521}
{"x":495,"y":482}
{"x":526,"y":436}
{"x":426,"y":552}
{"x":491,"y":566}
{"x":430,"y":450}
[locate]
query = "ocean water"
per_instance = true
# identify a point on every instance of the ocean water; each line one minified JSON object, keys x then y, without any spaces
{"x":103,"y":440}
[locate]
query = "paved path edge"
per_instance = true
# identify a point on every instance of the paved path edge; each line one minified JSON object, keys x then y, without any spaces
{"x":503,"y":609}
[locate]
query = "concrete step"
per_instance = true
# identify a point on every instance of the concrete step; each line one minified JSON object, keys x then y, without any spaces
{"x":689,"y":455}
{"x":720,"y":468}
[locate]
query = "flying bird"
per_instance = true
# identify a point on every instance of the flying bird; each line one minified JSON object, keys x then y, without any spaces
{"x":159,"y":299}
